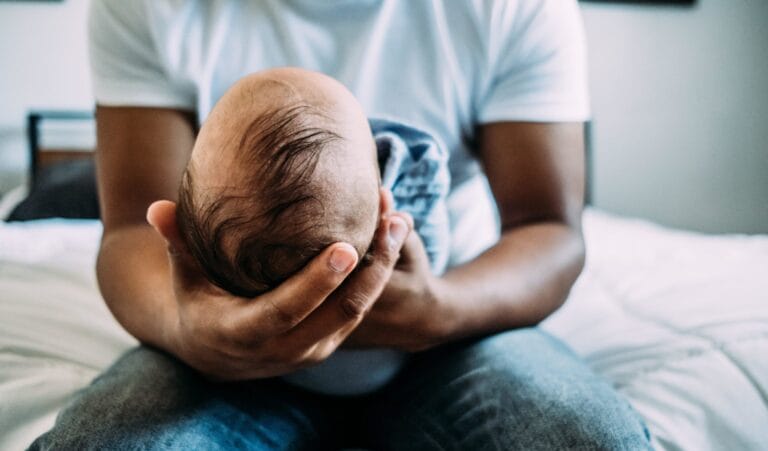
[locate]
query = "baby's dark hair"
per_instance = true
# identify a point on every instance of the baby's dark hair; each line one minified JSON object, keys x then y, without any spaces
{"x":276,"y":160}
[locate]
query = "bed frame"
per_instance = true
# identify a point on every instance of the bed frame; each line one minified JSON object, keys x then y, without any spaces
{"x":41,"y":157}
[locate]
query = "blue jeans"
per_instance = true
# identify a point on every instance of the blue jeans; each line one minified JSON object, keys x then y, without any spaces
{"x":521,"y":389}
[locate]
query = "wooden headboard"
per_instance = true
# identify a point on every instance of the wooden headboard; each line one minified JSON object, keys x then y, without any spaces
{"x":43,"y":153}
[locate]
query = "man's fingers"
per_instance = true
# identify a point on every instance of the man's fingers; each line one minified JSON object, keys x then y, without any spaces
{"x":288,"y":304}
{"x":347,"y":306}
{"x":161,"y":215}
{"x":405,"y":217}
{"x":413,"y":248}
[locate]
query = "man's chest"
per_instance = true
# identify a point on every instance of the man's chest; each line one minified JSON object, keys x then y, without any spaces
{"x":399,"y":66}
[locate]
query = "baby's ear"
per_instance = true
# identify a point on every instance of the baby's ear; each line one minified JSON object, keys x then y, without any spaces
{"x":386,"y":202}
{"x":162,"y":216}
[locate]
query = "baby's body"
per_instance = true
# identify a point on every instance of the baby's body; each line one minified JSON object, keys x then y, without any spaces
{"x":287,"y":164}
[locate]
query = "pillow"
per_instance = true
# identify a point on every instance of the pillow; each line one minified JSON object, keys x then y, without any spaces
{"x":61,"y":190}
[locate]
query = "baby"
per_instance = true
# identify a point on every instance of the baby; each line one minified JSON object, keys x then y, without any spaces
{"x":287,"y":164}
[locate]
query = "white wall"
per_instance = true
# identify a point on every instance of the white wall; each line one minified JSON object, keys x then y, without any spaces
{"x":680,"y":102}
{"x":43,"y":64}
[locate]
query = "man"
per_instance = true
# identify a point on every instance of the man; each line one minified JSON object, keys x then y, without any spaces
{"x":501,"y":84}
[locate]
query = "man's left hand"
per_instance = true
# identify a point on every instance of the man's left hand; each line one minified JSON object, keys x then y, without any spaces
{"x":409,"y":314}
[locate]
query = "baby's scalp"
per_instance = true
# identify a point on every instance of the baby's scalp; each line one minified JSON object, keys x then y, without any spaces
{"x":283,"y":167}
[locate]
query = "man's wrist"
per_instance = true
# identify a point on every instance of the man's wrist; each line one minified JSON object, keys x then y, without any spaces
{"x":445,"y":321}
{"x":169,"y":329}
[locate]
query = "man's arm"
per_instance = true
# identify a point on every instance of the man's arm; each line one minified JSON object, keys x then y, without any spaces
{"x":536,"y":174}
{"x":140,"y":157}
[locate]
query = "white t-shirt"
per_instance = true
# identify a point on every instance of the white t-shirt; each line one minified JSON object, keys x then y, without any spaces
{"x":443,"y":66}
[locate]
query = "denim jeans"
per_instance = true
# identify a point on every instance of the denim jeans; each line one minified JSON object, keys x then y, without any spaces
{"x":521,"y":389}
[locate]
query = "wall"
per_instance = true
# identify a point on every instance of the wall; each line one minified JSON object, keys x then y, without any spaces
{"x":43,"y":64}
{"x":680,"y":102}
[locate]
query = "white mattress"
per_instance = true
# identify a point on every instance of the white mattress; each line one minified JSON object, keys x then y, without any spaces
{"x":677,"y":321}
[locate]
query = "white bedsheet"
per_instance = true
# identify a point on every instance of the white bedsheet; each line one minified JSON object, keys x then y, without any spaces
{"x":677,"y":321}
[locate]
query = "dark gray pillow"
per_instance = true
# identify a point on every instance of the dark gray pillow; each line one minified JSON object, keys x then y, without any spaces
{"x":61,"y":190}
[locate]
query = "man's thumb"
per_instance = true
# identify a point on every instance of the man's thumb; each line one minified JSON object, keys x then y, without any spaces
{"x":161,"y":215}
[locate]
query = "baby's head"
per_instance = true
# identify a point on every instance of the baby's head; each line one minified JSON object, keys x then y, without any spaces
{"x":284,"y":166}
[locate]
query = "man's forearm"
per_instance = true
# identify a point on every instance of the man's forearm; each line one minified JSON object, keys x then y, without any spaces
{"x":134,"y":278}
{"x":518,"y":282}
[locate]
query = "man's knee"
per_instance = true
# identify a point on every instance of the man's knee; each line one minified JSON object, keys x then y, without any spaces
{"x":143,"y":388}
{"x":516,"y":390}
{"x":149,"y":400}
{"x":180,"y":435}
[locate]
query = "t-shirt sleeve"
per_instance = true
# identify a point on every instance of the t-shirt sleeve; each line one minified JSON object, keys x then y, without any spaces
{"x":127,"y":67}
{"x":537,"y":61}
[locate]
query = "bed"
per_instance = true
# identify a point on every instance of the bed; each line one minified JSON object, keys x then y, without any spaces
{"x":676,"y":321}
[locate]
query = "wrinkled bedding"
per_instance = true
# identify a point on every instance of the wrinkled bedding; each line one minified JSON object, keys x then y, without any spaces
{"x":676,"y":321}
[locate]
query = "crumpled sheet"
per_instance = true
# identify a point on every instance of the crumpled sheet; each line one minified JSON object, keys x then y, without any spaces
{"x":676,"y":321}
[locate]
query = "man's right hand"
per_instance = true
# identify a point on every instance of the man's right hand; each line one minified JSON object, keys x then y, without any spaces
{"x":164,"y":302}
{"x":298,"y":324}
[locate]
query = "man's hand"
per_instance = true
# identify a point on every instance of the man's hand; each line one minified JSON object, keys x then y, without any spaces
{"x":298,"y":324}
{"x":536,"y":173}
{"x":408,"y":315}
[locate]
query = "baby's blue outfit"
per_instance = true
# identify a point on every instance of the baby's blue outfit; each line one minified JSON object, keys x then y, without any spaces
{"x":415,"y":168}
